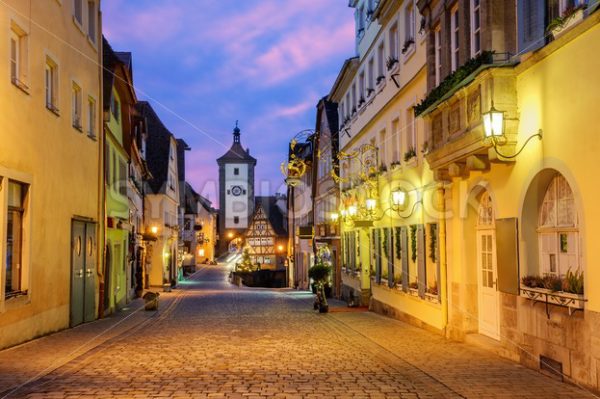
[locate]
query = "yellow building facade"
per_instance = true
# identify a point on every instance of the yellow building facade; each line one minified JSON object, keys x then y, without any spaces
{"x":49,"y":167}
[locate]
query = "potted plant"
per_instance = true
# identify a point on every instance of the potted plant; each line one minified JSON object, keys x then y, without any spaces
{"x":413,"y":288}
{"x":390,"y":62}
{"x":151,"y":300}
{"x":562,"y":23}
{"x":380,"y":79}
{"x":410,"y":154}
{"x":319,"y":273}
{"x":361,"y":101}
{"x":407,"y":45}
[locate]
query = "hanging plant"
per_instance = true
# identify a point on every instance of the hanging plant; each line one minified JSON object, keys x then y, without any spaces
{"x":432,"y":242}
{"x":398,"y":243}
{"x":413,"y":242}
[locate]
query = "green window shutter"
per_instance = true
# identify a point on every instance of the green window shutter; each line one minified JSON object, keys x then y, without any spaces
{"x":421,"y":261}
{"x":404,"y":248}
{"x":390,"y":257}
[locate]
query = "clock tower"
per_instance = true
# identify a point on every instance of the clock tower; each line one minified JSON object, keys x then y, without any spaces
{"x":236,"y":191}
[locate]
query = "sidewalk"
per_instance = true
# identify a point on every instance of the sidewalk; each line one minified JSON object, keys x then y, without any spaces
{"x":34,"y":359}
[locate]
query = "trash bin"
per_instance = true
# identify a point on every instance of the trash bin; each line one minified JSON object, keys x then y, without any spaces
{"x":151,"y":300}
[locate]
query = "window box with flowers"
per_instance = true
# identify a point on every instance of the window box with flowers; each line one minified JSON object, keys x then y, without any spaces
{"x":391,"y":63}
{"x":550,"y":289}
{"x":410,"y":154}
{"x":570,"y":17}
{"x":408,"y":45}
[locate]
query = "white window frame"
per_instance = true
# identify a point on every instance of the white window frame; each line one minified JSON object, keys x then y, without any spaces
{"x":51,"y":81}
{"x":551,"y":233}
{"x":381,"y":61}
{"x":78,"y":19}
{"x":76,"y":106}
{"x":475,"y":7}
{"x":91,"y":104}
{"x":409,"y":28}
{"x":396,"y":146}
{"x":411,"y":139}
{"x":371,"y":76}
{"x":92,"y":28}
{"x":437,"y":43}
{"x":454,"y":37}
{"x":393,"y":42}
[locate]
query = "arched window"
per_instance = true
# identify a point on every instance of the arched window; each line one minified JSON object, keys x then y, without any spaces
{"x":485,"y":217}
{"x":558,"y":230}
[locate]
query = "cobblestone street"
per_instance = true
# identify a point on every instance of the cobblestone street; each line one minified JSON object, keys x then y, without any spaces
{"x":211,"y":339}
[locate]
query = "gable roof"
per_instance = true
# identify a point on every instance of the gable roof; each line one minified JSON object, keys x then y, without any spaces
{"x":273,"y":213}
{"x":157,"y":147}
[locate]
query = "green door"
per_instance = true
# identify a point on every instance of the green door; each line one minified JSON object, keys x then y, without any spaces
{"x":77,"y":272}
{"x":90,"y":272}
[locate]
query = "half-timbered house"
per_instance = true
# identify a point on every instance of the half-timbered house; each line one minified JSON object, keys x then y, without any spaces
{"x":267,"y":234}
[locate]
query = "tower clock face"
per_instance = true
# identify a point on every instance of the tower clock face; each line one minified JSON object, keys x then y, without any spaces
{"x":236,"y":190}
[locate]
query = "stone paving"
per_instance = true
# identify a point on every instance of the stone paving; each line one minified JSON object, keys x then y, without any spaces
{"x":218,"y":341}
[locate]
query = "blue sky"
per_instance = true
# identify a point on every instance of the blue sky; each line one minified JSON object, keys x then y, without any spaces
{"x":205,"y":63}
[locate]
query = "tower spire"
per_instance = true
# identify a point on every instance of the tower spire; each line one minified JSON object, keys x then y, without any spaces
{"x":236,"y":133}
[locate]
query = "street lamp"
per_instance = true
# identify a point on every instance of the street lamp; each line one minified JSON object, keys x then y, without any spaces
{"x":493,"y":123}
{"x":398,"y":198}
{"x":493,"y":129}
{"x":371,"y":204}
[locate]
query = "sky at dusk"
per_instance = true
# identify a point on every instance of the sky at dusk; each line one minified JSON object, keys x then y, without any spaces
{"x":203,"y":64}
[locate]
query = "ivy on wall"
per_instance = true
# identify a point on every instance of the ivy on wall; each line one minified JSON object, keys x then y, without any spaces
{"x":433,"y":242}
{"x":452,"y":80}
{"x":386,"y":248}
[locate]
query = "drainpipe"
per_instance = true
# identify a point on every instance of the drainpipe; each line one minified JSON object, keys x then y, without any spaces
{"x":441,"y":205}
{"x":101,"y":179}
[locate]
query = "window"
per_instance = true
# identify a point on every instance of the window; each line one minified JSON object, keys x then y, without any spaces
{"x":236,"y":171}
{"x":348,"y":109}
{"x":437,"y":41}
{"x":370,"y":76}
{"x":236,"y":219}
{"x":51,"y":83}
{"x":91,"y":117}
{"x":18,"y":56}
{"x":382,"y":148}
{"x":92,"y":21}
{"x":76,"y":106}
{"x":171,"y":153}
{"x":380,"y":63}
{"x":395,"y":141}
{"x":393,"y":41}
{"x":454,"y":37}
{"x":354,"y":98}
{"x":361,"y":87}
{"x":409,"y":24}
{"x":78,"y":11}
{"x":558,"y":231}
{"x":475,"y":27}
{"x":410,"y":129}
{"x":15,"y":278}
{"x":115,"y":107}
{"x":122,"y":177}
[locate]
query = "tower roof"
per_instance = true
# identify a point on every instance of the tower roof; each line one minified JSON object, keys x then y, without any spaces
{"x":237,"y":153}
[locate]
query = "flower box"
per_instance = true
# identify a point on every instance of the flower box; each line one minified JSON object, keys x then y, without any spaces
{"x":569,"y":22}
{"x":559,"y":298}
{"x":432,"y":297}
{"x":413,"y":291}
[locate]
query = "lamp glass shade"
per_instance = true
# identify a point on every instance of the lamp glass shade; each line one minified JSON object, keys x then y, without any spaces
{"x":398,"y":198}
{"x":371,"y":204}
{"x":493,"y":123}
{"x":343,"y":212}
{"x":352,"y":210}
